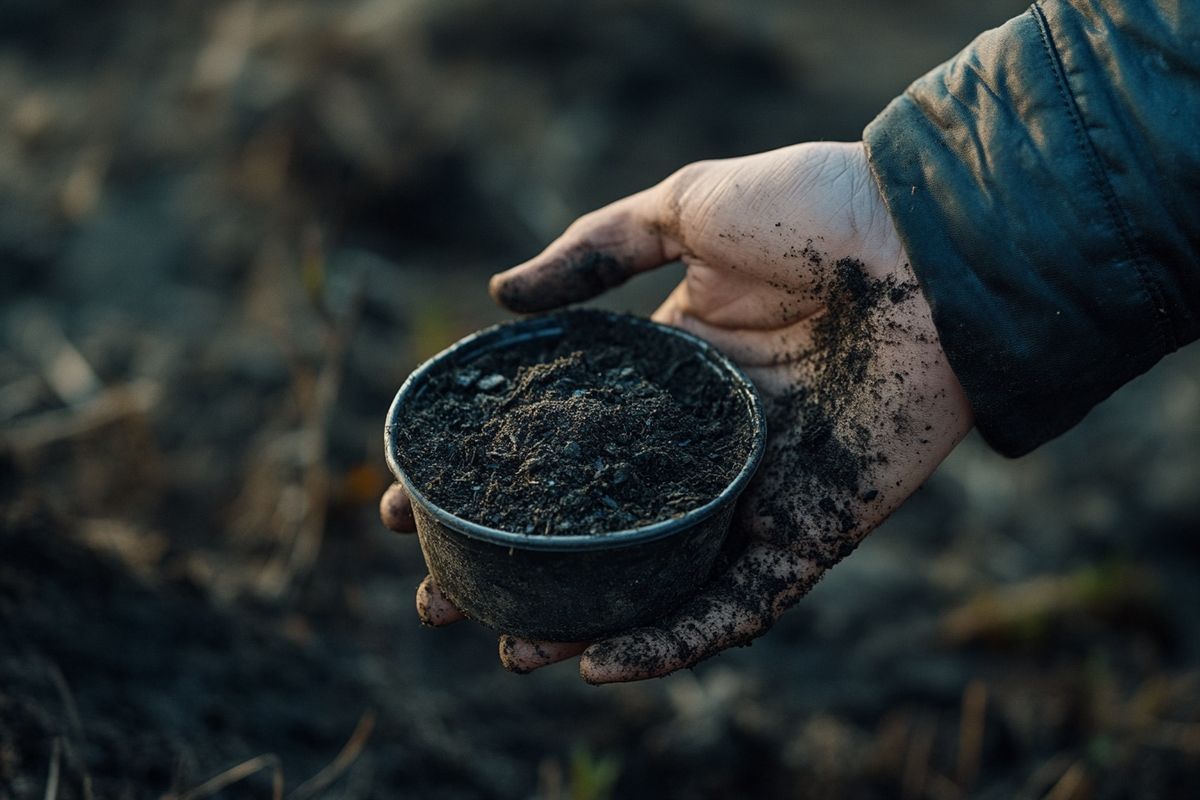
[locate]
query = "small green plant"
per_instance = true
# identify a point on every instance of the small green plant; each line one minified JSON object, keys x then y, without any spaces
{"x":592,"y":776}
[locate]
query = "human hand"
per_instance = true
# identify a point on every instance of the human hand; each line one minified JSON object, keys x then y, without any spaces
{"x":796,"y":272}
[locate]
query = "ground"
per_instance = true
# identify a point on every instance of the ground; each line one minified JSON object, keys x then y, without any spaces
{"x":228,"y":231}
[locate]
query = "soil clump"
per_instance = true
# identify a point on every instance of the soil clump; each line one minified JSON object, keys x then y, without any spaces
{"x":605,"y":428}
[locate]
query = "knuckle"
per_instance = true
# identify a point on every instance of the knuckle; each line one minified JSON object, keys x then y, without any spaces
{"x":676,"y":187}
{"x":686,"y":176}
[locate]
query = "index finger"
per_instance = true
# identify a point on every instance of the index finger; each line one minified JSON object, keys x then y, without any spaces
{"x":600,"y":250}
{"x":736,"y":608}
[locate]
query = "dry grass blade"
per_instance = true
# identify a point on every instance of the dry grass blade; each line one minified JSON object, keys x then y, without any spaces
{"x":239,"y":773}
{"x":52,"y":778}
{"x":67,"y":696}
{"x":1019,"y":609}
{"x":916,"y":766}
{"x":297,"y":560}
{"x":348,"y":755}
{"x":1046,"y":776}
{"x":38,"y":335}
{"x":76,"y":722}
{"x":1181,"y":736}
{"x":1073,"y":784}
{"x":970,"y":735}
{"x":942,"y":788}
{"x":109,"y":406}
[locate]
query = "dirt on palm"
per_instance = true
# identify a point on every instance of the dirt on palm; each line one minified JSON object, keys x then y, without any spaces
{"x":603,"y":429}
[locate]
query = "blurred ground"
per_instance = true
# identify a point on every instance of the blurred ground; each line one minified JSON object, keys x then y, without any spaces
{"x":229,"y":230}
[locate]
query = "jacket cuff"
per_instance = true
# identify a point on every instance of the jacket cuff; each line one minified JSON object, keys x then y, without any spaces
{"x":1014,"y":234}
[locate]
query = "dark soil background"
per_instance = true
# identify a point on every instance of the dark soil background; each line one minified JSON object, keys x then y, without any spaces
{"x":228,"y":230}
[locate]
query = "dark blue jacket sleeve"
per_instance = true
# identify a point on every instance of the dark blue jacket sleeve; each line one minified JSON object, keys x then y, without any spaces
{"x":1046,"y":184}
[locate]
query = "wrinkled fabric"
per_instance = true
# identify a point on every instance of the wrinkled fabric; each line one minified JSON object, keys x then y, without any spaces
{"x":1046,"y":185}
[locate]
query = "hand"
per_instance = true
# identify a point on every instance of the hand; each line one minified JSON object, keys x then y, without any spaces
{"x":795,"y":271}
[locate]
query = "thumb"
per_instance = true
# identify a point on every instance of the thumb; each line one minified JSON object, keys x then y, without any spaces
{"x":600,"y":250}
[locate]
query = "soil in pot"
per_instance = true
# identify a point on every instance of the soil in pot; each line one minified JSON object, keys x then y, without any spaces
{"x":605,"y":428}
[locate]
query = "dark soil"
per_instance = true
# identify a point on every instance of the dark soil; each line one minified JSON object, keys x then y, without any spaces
{"x":603,"y":429}
{"x":152,"y":690}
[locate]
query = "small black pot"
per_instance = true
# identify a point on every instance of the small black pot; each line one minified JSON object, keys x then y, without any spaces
{"x":570,"y":587}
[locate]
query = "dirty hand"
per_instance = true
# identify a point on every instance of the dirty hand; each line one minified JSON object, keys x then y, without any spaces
{"x":795,"y":271}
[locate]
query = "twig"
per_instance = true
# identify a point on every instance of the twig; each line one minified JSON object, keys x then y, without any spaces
{"x":238,"y":773}
{"x":52,"y":778}
{"x":348,"y":755}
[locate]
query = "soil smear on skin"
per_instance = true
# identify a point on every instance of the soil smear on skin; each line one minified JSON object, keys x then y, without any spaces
{"x":819,"y":474}
{"x":606,"y":428}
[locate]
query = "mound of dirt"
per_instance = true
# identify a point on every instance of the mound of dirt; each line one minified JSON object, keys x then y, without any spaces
{"x":602,"y":429}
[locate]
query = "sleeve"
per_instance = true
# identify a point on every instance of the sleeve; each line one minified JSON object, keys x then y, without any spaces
{"x":1046,"y":185}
